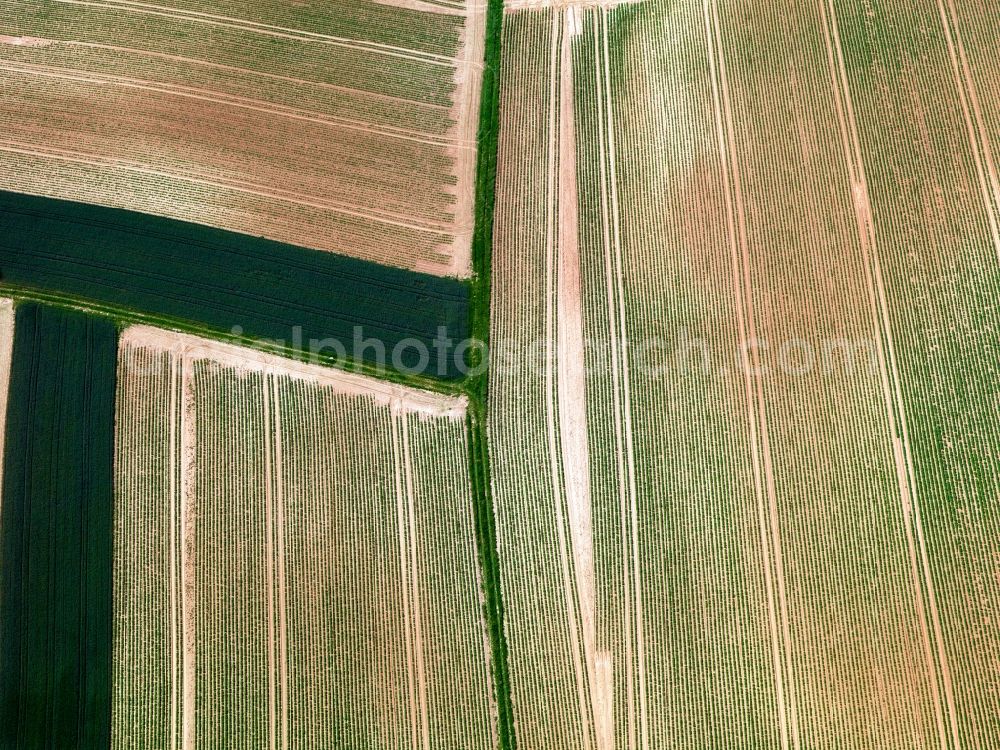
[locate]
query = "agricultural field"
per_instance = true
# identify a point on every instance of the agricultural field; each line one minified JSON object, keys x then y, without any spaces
{"x":181,"y":274}
{"x":348,"y":126}
{"x":295,"y":558}
{"x":744,"y":429}
{"x":55,"y":529}
{"x":729,"y":480}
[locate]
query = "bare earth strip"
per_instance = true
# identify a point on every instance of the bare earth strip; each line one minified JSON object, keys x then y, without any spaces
{"x":188,"y":561}
{"x":6,"y":347}
{"x":553,"y":232}
{"x":572,"y":412}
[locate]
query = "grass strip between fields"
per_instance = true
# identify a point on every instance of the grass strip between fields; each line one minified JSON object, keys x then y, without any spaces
{"x":56,"y":532}
{"x":477,"y":386}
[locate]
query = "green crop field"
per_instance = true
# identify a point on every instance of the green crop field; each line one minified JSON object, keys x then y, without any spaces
{"x":746,"y":491}
{"x":185,"y":273}
{"x":55,"y":559}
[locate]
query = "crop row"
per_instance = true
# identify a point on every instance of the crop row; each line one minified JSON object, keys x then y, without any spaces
{"x":296,"y":131}
{"x":295,"y":560}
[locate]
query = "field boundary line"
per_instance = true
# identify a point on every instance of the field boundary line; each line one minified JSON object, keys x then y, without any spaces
{"x":892,"y":392}
{"x":477,"y":386}
{"x":383,"y":392}
{"x":288,"y":356}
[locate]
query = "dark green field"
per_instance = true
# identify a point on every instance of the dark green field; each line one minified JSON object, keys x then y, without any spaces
{"x":224,"y":281}
{"x":55,"y":527}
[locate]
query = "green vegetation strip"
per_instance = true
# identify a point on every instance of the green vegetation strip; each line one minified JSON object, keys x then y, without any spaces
{"x":55,"y":527}
{"x":223,"y":281}
{"x":478,"y":384}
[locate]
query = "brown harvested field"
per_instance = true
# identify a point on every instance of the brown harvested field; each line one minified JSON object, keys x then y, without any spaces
{"x":349,"y":128}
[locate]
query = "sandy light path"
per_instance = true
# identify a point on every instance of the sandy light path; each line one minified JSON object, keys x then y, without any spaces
{"x":763,"y":482}
{"x":551,"y":405}
{"x":6,"y":352}
{"x":889,"y":373}
{"x":465,"y":113}
{"x":174,"y":495}
{"x":572,"y":405}
{"x":188,"y":560}
{"x":245,"y":360}
{"x":25,"y":41}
